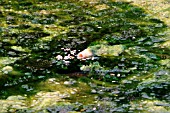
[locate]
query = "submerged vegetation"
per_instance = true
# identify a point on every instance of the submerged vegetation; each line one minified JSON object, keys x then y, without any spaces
{"x":40,"y":72}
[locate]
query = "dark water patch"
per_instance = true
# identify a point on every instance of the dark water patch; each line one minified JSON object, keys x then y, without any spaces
{"x":38,"y":64}
{"x":21,"y":39}
{"x":130,"y":9}
{"x":17,"y":5}
{"x":27,"y":39}
{"x":43,"y":21}
{"x":25,"y":3}
{"x":67,"y":41}
{"x":1,"y":14}
{"x":24,"y":26}
{"x":77,"y":16}
{"x":27,"y":17}
{"x":159,"y":86}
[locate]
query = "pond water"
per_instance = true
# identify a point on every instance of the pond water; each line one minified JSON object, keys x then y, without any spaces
{"x":40,"y":72}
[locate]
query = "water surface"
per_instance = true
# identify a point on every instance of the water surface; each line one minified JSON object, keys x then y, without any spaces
{"x":33,"y":79}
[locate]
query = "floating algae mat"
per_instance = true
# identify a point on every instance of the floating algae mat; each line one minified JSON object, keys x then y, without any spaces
{"x":40,"y":72}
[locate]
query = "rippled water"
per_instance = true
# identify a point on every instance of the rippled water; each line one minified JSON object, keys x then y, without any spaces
{"x":39,"y":71}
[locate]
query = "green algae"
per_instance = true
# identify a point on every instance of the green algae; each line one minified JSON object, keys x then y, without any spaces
{"x":106,"y":50}
{"x":133,"y":67}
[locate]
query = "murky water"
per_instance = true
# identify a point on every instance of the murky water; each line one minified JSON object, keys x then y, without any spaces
{"x":40,"y":72}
